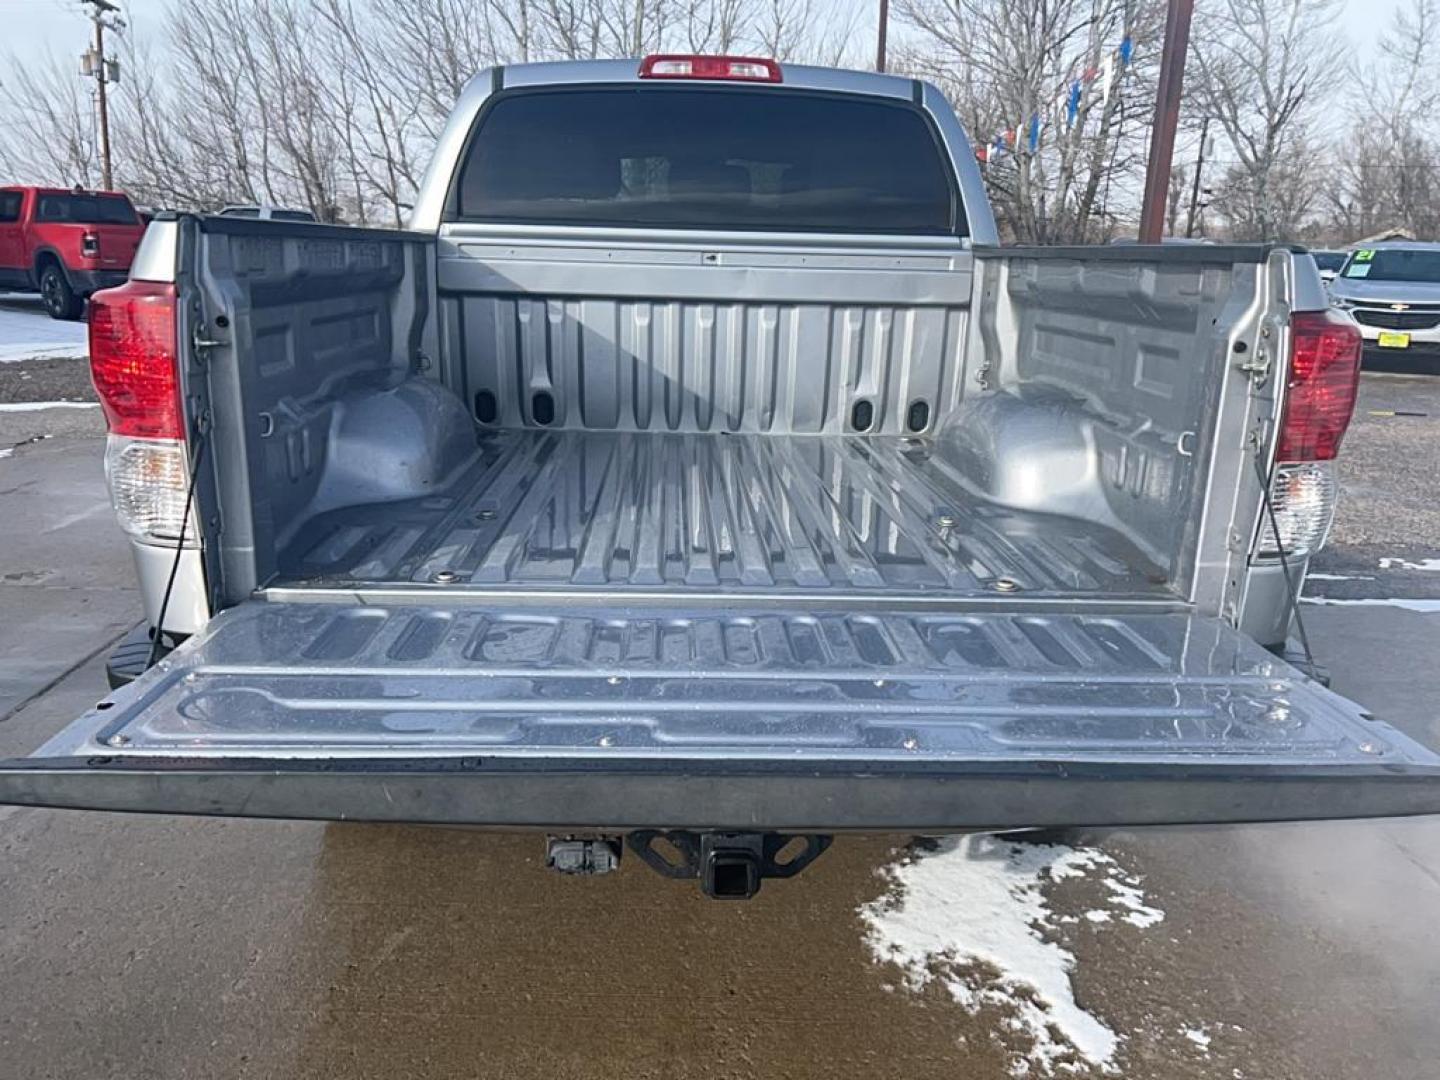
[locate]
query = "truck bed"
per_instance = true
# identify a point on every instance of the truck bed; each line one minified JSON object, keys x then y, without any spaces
{"x":737,"y":514}
{"x":513,"y":523}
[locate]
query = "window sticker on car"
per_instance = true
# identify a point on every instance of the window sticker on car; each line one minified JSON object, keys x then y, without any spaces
{"x":1365,"y":255}
{"x":1358,"y":270}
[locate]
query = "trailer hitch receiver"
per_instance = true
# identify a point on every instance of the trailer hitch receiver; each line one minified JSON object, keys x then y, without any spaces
{"x":730,"y":866}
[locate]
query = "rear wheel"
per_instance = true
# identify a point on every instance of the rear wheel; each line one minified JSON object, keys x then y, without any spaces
{"x":59,"y":299}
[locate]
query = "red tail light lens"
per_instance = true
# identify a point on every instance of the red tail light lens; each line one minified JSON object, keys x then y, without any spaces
{"x":1324,"y":379}
{"x":132,"y":359}
{"x":740,"y":68}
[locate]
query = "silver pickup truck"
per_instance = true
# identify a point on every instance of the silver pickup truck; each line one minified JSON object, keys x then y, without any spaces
{"x":697,"y":467}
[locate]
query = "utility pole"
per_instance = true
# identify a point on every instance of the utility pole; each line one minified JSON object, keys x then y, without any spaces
{"x":1167,"y":118}
{"x":104,"y":72}
{"x":1192,"y":217}
{"x":884,"y":27}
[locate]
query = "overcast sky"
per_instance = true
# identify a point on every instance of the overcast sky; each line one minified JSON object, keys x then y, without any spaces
{"x":59,"y":25}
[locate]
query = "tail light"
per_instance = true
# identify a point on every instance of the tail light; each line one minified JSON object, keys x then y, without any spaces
{"x":1302,"y":495}
{"x":133,"y":367}
{"x":1324,"y":378}
{"x":132,"y":359}
{"x":90,"y":245}
{"x":738,"y":68}
{"x":149,"y":480}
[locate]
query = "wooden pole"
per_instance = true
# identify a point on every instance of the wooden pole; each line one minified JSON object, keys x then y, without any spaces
{"x":1167,"y":119}
{"x":105,"y":178}
{"x":1192,"y":218}
{"x":884,"y":27}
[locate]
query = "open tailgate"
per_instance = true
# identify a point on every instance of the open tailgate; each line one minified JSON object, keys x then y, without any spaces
{"x":777,"y":720}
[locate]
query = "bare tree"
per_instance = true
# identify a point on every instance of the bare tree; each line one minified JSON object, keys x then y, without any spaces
{"x":49,"y":129}
{"x":714,"y":25}
{"x":1386,"y":174}
{"x":1011,"y":66}
{"x":1257,"y":69}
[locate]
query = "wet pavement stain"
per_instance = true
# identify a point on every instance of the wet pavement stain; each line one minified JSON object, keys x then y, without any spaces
{"x":455,"y":953}
{"x":464,"y":957}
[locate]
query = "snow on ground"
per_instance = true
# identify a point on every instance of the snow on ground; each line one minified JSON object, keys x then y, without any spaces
{"x":27,"y":332}
{"x":37,"y":406}
{"x":973,"y":914}
{"x":1393,"y":601}
{"x":1431,"y":565}
{"x":1198,"y":1036}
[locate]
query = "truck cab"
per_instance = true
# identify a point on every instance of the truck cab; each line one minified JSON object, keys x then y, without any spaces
{"x":65,"y":244}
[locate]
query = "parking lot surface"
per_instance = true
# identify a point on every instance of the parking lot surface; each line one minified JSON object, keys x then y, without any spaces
{"x":156,"y":947}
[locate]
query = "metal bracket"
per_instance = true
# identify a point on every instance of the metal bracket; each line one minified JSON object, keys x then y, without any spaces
{"x":202,"y":344}
{"x":584,"y":856}
{"x":730,"y":866}
{"x":1256,"y":364}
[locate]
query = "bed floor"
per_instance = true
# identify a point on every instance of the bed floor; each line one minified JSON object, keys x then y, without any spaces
{"x":568,"y":510}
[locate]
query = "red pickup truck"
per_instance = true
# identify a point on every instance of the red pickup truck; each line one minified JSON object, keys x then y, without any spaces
{"x":65,"y":245}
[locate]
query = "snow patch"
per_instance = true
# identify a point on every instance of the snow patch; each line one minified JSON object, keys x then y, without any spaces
{"x":38,"y":406}
{"x":1400,"y":602}
{"x":1197,"y":1036}
{"x":1313,"y":576}
{"x":973,"y":914}
{"x":7,"y":451}
{"x":1132,"y":899}
{"x":30,"y":333}
{"x":1428,"y":565}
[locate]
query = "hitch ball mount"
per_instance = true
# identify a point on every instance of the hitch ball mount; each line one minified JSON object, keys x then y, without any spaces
{"x":730,"y":865}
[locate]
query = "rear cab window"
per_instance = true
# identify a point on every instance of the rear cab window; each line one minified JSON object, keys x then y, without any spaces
{"x":86,"y":209}
{"x":712,"y":157}
{"x":10,"y":206}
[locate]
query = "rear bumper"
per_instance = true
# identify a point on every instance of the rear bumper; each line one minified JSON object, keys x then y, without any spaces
{"x":1424,"y":345}
{"x":577,"y":795}
{"x":89,"y":281}
{"x":1419,"y":358}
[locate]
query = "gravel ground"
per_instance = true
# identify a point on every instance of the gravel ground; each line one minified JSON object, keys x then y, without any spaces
{"x":47,"y":379}
{"x":1388,"y":507}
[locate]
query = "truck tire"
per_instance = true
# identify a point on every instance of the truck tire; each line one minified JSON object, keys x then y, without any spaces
{"x":59,"y":300}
